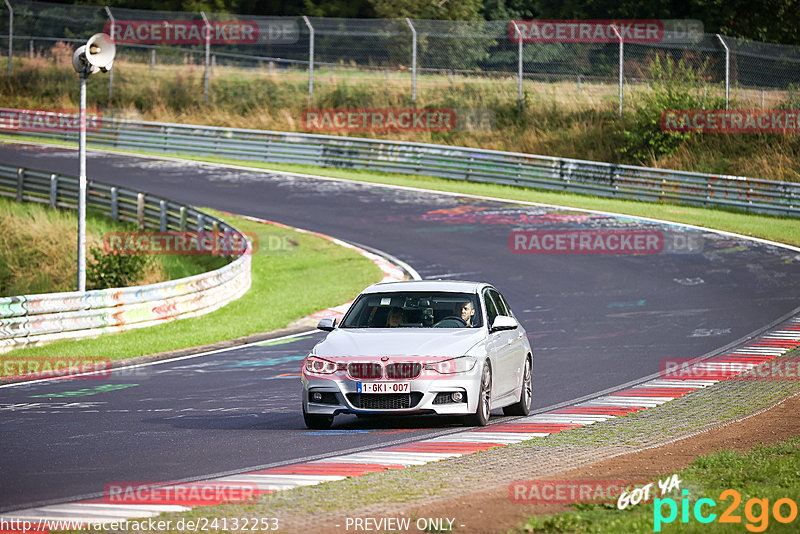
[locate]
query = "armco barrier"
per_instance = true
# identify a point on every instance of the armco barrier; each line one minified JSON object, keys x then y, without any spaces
{"x":36,"y":319}
{"x":471,"y":164}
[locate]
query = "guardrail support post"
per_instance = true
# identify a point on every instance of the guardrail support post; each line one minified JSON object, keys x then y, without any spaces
{"x":310,"y":58}
{"x":207,"y":28}
{"x":413,"y":60}
{"x":182,"y":226}
{"x":10,"y":35}
{"x":152,"y":58}
{"x":115,"y":203}
{"x":727,"y":70}
{"x":111,"y":70}
{"x":200,"y":222}
{"x":140,"y":210}
{"x":53,"y":190}
{"x":162,"y":205}
{"x":20,"y":183}
{"x":519,"y":64}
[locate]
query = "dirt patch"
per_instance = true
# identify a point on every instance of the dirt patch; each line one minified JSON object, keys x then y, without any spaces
{"x":492,"y":511}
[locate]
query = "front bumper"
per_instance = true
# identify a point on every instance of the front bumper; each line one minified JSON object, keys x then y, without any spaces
{"x":340,"y":395}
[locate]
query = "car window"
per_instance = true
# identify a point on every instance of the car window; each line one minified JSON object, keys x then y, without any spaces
{"x":491,"y":309}
{"x":414,"y":309}
{"x":502,"y":309}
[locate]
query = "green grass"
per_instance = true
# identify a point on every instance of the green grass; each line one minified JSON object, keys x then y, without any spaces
{"x":37,"y":254}
{"x":288,"y":283}
{"x":771,"y":472}
{"x":556,"y":119}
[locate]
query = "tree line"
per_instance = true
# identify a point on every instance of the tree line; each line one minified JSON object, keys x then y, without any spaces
{"x":761,"y":20}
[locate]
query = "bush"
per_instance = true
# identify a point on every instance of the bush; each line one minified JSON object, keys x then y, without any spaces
{"x":674,"y":88}
{"x":114,"y":270}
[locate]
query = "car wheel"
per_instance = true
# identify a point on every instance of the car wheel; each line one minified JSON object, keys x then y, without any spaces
{"x":523,"y":405}
{"x":318,"y":422}
{"x":481,"y":415}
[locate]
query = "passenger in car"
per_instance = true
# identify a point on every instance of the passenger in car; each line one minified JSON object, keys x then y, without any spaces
{"x":395,"y":318}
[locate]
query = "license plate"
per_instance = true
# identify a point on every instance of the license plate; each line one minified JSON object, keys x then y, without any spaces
{"x":383,"y":387}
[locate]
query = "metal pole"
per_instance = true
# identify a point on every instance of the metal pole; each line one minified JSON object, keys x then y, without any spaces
{"x":413,"y":60}
{"x":207,"y":28}
{"x":621,"y":66}
{"x":727,"y":70}
{"x":10,"y":35}
{"x":111,"y":70}
{"x":152,"y":58}
{"x":519,"y":64}
{"x":310,"y":58}
{"x":82,"y":189}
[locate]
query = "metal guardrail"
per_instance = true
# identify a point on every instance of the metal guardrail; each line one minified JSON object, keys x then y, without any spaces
{"x":458,"y":163}
{"x":37,"y":319}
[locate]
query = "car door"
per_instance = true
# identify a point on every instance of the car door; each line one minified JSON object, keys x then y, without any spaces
{"x":518,"y":339}
{"x":501,"y":351}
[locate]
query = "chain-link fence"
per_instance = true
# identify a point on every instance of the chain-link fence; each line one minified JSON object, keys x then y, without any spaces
{"x":411,"y":53}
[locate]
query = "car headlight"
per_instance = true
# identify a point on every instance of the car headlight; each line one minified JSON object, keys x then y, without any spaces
{"x":320,"y":366}
{"x":461,"y":364}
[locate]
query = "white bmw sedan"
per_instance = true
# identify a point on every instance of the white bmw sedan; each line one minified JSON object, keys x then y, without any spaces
{"x":438,"y":347}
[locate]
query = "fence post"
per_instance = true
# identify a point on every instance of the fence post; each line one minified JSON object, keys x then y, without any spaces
{"x":207,"y":31}
{"x":519,"y":64}
{"x":111,"y":70}
{"x":727,"y":70}
{"x":10,"y":35}
{"x":30,"y":49}
{"x":621,"y":65}
{"x":413,"y":60}
{"x":310,"y":58}
{"x":153,"y":58}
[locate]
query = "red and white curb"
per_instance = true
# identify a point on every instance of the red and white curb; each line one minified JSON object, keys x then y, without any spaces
{"x":754,"y":353}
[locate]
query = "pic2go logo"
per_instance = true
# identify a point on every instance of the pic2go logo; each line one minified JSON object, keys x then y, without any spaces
{"x":756,"y":511}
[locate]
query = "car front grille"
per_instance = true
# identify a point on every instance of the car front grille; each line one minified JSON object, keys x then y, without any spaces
{"x":384,"y":401}
{"x":403,"y":371}
{"x":368,"y":371}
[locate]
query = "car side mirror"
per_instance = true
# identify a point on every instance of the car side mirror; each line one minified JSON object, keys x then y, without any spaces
{"x":503,"y":322}
{"x":327,"y":324}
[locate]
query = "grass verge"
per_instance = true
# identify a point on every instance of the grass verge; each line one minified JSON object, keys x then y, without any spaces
{"x":567,"y":119}
{"x":763,"y":475}
{"x":310,"y":274}
{"x":36,"y":258}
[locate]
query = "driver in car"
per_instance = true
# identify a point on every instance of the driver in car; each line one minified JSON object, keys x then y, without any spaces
{"x":467,"y":312}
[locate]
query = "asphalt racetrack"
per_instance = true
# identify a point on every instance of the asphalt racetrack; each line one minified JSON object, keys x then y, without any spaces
{"x":595,"y":321}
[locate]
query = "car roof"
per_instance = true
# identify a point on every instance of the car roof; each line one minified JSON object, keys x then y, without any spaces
{"x":456,"y":286}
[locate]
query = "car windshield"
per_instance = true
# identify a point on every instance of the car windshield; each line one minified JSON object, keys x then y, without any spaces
{"x":414,"y":310}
